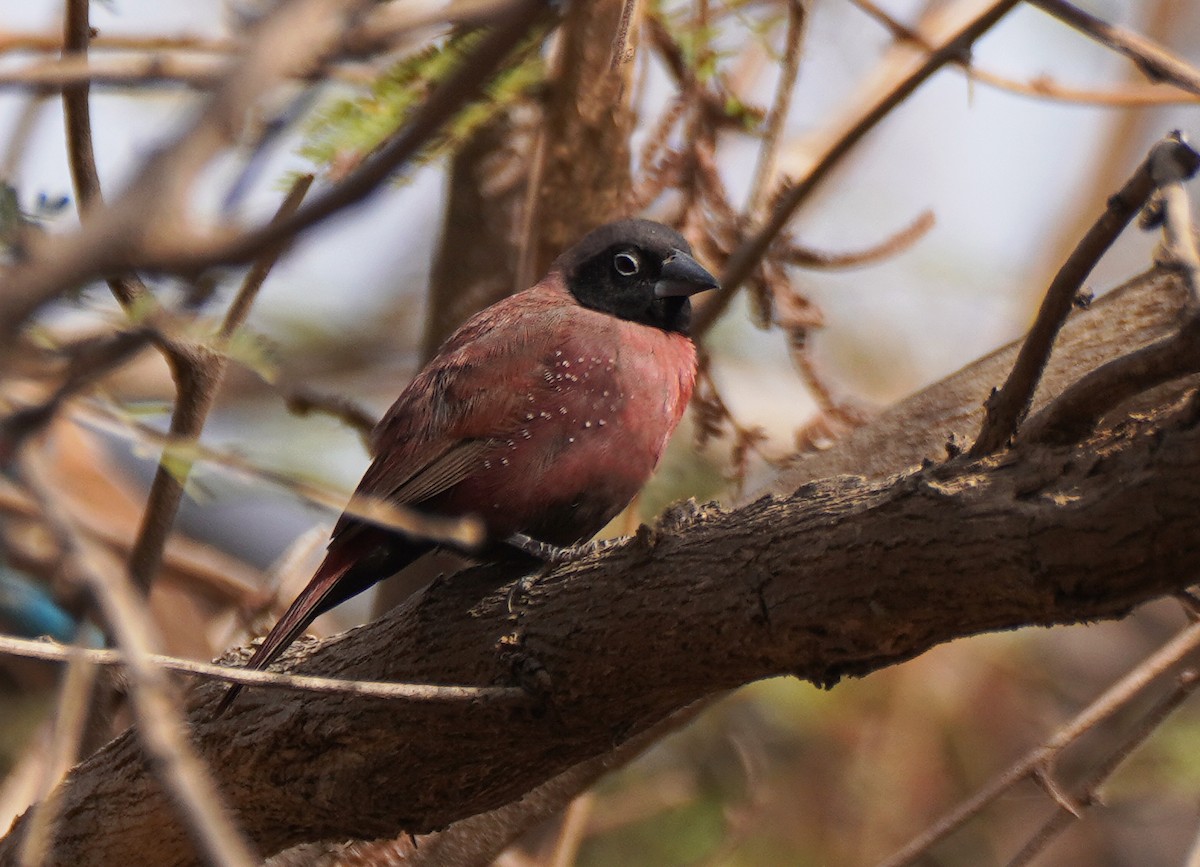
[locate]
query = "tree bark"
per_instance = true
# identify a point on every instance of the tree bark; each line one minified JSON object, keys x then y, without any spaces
{"x":840,"y":577}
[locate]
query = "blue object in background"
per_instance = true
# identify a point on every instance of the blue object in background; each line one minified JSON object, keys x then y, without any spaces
{"x":27,"y":610}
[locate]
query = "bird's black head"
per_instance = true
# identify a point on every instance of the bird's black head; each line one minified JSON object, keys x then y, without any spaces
{"x":638,"y":270}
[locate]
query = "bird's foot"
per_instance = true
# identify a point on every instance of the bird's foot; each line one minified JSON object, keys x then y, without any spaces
{"x":553,"y":555}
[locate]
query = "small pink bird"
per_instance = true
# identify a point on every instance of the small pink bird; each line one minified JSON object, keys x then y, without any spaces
{"x":543,"y":415}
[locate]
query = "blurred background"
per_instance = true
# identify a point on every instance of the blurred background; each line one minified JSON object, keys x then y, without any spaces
{"x":1013,"y":162}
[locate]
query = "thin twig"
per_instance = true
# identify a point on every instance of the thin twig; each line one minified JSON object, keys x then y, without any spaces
{"x":150,"y":70}
{"x":888,"y":247}
{"x":464,"y":533}
{"x":1114,"y":699}
{"x":128,"y":289}
{"x":199,"y":372}
{"x":1155,"y":61}
{"x":67,"y":727}
{"x":788,"y":75}
{"x":1086,"y":791}
{"x":1076,"y":411}
{"x":750,"y":252}
{"x":1007,"y":407}
{"x":1040,"y":88}
{"x":303,"y":401}
{"x":51,"y":652}
{"x":1127,"y":96}
{"x":159,"y":721}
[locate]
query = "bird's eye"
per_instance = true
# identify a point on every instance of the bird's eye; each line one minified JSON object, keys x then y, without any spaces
{"x":626,"y":263}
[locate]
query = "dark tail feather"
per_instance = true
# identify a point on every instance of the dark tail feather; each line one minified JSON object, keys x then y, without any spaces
{"x":312,"y":601}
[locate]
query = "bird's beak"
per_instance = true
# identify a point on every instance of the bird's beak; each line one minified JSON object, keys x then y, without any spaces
{"x":682,"y":276}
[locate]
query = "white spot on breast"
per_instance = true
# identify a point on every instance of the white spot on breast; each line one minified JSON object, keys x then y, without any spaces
{"x":528,"y":416}
{"x":587,"y":424}
{"x":570,"y":439}
{"x":601,"y":422}
{"x":562,"y":410}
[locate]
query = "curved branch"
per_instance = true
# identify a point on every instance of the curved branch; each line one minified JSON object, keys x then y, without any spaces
{"x":840,"y":578}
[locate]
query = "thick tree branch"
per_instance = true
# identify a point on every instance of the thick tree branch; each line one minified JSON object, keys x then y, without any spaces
{"x":840,"y":578}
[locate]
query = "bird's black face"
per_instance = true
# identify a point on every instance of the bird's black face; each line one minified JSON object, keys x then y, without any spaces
{"x":637,"y":270}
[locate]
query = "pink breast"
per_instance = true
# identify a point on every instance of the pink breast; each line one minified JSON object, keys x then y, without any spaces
{"x":591,"y":439}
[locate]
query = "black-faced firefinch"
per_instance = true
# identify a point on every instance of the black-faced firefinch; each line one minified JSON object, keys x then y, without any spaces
{"x":543,"y":415}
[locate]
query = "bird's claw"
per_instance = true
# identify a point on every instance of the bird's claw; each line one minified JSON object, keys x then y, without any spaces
{"x":553,"y":555}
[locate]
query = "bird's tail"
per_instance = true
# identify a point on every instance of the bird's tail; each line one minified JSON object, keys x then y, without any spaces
{"x":312,"y":601}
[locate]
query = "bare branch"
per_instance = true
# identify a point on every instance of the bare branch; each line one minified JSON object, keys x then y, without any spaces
{"x":1152,"y":59}
{"x":1115,"y":698}
{"x":1082,"y":405}
{"x":1007,"y":407}
{"x":51,"y":652}
{"x":746,"y":257}
{"x":160,"y":722}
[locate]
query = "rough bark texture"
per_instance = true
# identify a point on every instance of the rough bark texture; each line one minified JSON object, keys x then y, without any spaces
{"x":839,"y":578}
{"x":584,"y":176}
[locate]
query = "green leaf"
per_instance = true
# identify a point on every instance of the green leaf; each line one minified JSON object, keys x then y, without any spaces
{"x":349,"y":129}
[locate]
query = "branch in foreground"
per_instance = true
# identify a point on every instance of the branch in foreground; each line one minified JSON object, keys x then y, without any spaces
{"x":52,"y":652}
{"x":835,"y":580}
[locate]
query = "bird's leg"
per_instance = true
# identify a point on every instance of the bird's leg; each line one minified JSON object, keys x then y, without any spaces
{"x":553,"y":555}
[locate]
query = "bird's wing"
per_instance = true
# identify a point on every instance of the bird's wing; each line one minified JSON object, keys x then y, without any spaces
{"x":469,"y":398}
{"x":441,"y":473}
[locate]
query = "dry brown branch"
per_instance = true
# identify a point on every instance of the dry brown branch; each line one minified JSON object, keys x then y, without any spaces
{"x":1086,"y":794}
{"x":802,"y":563}
{"x":81,"y":157}
{"x":1008,"y":406}
{"x":51,"y":652}
{"x":196,"y":800}
{"x":1081,"y":406}
{"x":897,"y":243}
{"x":145,"y":226}
{"x":1152,"y":59}
{"x":199,"y":371}
{"x":743,"y":261}
{"x":1041,"y":760}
